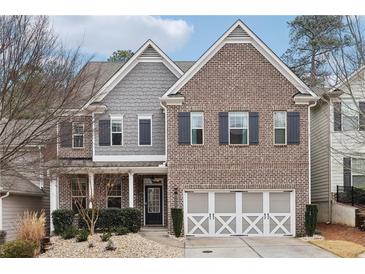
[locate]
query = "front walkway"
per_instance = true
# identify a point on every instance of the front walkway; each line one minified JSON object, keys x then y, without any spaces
{"x":252,"y":247}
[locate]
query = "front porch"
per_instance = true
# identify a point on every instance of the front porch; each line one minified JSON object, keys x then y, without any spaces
{"x":110,"y":187}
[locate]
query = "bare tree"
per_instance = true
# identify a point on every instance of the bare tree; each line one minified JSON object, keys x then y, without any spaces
{"x":89,"y":208}
{"x":40,"y":86}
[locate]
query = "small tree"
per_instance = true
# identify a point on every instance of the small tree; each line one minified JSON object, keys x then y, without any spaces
{"x":120,"y":56}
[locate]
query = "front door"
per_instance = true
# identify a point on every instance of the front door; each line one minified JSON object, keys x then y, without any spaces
{"x":153,"y":205}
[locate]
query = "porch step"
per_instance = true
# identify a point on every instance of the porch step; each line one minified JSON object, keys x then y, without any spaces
{"x":154,"y":230}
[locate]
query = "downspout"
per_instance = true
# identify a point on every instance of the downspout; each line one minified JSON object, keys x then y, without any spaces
{"x":1,"y":209}
{"x":309,"y":151}
{"x":165,"y":110}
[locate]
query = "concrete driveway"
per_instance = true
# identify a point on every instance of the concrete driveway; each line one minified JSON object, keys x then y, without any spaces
{"x":252,"y":247}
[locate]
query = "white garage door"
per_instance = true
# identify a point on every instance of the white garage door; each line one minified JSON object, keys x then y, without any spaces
{"x":252,"y":213}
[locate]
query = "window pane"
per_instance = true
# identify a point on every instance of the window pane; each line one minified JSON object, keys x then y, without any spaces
{"x":358,"y":165}
{"x":358,"y":181}
{"x":280,"y":118}
{"x":79,"y":187}
{"x":196,"y":120}
{"x":238,"y":136}
{"x":116,"y":139}
{"x":115,"y":190}
{"x":77,"y":202}
{"x":78,"y":129}
{"x":197,"y":136}
{"x":78,"y":141}
{"x":115,"y":202}
{"x":350,"y":122}
{"x":116,"y":126}
{"x":237,"y":120}
{"x":279,"y":136}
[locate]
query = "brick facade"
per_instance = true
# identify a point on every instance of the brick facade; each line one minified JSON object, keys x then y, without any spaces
{"x":86,"y":151}
{"x":238,"y":78}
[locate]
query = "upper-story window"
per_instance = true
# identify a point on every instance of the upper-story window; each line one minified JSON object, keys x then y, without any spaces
{"x":77,"y":135}
{"x":145,"y":130}
{"x":197,"y":125}
{"x":117,"y":132}
{"x":280,"y":127}
{"x":238,"y":128}
{"x":114,"y":194}
{"x":350,"y":116}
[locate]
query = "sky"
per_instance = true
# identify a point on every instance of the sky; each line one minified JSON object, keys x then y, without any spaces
{"x":180,"y":37}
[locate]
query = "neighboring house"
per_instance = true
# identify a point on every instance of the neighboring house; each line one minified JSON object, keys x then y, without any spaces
{"x":226,"y":138}
{"x":23,"y":188}
{"x":338,"y":151}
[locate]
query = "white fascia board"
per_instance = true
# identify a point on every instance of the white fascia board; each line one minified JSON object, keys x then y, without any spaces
{"x":129,"y":158}
{"x":172,"y":101}
{"x":257,"y":43}
{"x":131,"y":63}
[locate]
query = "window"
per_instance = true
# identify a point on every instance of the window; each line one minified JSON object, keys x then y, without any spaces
{"x":114,"y":195}
{"x":78,"y":193}
{"x":117,"y":132}
{"x":280,"y":128}
{"x":196,"y":128}
{"x":238,"y":127}
{"x":144,"y":130}
{"x":350,"y":116}
{"x":358,"y":173}
{"x":77,"y":135}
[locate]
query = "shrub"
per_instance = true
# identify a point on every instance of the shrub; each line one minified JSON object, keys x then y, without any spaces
{"x":32,"y":227}
{"x":18,"y":249}
{"x":82,"y":235}
{"x":62,"y":219}
{"x":69,"y":233}
{"x":177,"y":220}
{"x":105,"y":236}
{"x":310,"y":219}
{"x":122,"y":231}
{"x":110,"y":219}
{"x":110,"y":246}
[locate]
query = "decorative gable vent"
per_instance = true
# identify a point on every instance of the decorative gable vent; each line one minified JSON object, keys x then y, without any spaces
{"x":238,"y":33}
{"x":150,"y":52}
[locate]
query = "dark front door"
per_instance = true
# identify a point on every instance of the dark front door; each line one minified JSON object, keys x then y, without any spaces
{"x":153,"y":206}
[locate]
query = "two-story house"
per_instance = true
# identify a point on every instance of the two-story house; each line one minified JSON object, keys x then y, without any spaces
{"x":338,"y":151}
{"x":226,"y":138}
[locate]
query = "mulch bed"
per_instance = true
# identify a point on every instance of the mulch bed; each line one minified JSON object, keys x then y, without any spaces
{"x":342,"y":232}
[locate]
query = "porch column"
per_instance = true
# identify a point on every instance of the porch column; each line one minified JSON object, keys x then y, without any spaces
{"x":91,"y":189}
{"x":131,"y":191}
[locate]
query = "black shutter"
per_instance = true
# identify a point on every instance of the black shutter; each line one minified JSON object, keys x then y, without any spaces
{"x":362,"y":116}
{"x":347,"y":171}
{"x":254,"y":128}
{"x":293,"y":128}
{"x":145,"y":132}
{"x":223,"y":128}
{"x":66,"y":134}
{"x":184,"y":128}
{"x":337,"y":116}
{"x":104,"y":132}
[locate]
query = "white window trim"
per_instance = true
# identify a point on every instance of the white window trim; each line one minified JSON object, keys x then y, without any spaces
{"x":191,"y":127}
{"x":78,"y":196}
{"x":113,"y":196}
{"x":144,"y":117}
{"x":229,"y":128}
{"x":286,"y":128}
{"x":115,"y":118}
{"x":78,"y":134}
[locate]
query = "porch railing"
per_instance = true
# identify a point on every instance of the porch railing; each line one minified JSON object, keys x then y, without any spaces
{"x":350,"y":195}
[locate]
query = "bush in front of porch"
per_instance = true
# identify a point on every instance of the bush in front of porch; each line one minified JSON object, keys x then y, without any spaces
{"x":110,"y":219}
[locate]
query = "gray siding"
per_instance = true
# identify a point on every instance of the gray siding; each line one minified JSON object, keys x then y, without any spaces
{"x":13,"y":209}
{"x":320,"y":153}
{"x":138,"y":94}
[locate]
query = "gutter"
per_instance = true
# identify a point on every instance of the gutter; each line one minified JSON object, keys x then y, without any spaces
{"x":165,"y":110}
{"x":309,"y":151}
{"x":1,"y":208}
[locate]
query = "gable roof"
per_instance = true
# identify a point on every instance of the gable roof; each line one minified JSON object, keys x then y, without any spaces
{"x":348,"y":80}
{"x":16,"y":183}
{"x":148,"y":52}
{"x":240,"y":33}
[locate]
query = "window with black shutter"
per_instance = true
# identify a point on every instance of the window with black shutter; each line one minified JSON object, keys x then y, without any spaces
{"x":280,"y":127}
{"x":197,"y":128}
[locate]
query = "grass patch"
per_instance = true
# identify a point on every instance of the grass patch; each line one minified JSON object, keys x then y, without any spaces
{"x":343,"y":249}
